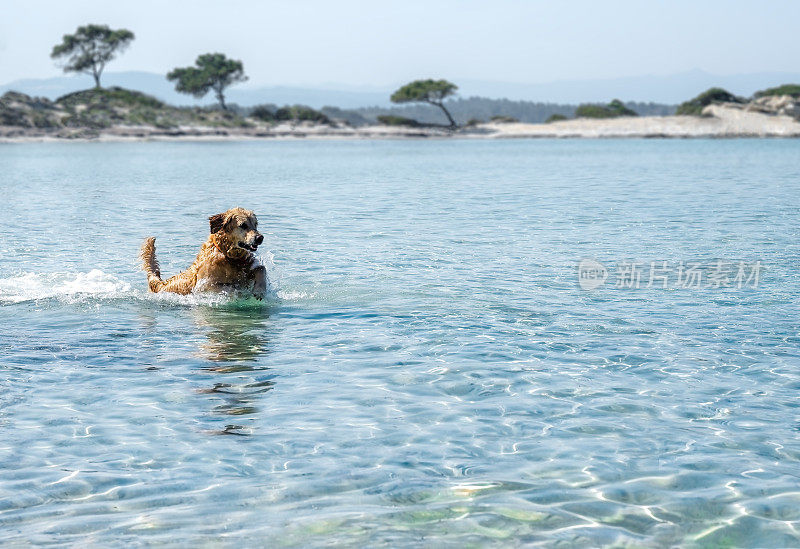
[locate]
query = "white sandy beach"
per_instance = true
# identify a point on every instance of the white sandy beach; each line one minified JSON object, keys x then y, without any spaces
{"x":723,"y":122}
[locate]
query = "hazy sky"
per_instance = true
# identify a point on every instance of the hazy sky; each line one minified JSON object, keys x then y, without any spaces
{"x":378,"y":43}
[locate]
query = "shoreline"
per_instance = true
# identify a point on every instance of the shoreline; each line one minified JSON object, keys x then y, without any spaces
{"x":721,"y":122}
{"x":243,"y":138}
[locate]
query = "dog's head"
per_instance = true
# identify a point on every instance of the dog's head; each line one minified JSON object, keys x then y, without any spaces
{"x":237,"y":228}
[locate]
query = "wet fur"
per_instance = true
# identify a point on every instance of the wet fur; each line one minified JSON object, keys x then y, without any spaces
{"x":224,"y":262}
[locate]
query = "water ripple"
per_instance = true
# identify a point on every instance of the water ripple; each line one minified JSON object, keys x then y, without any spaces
{"x":425,"y":370}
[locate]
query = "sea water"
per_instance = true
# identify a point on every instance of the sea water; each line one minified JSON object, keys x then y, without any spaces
{"x":427,"y":368}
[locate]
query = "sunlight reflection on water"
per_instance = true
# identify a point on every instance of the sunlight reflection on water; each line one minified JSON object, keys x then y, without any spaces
{"x":426,"y":370}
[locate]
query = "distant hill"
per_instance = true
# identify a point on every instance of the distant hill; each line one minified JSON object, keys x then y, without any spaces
{"x":668,"y":90}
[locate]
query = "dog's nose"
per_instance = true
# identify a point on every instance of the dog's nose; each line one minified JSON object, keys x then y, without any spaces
{"x":259,"y":240}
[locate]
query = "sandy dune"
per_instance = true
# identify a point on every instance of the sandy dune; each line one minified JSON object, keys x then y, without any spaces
{"x":723,"y":122}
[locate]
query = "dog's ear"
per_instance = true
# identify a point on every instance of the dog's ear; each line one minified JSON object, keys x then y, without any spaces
{"x":216,"y":222}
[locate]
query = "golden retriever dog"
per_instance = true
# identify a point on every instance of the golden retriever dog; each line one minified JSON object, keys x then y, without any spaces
{"x":225,"y":261}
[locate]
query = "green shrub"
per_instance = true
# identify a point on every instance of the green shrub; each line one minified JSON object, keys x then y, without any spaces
{"x":100,"y":108}
{"x":18,"y":109}
{"x":555,"y":118}
{"x":346,"y":116}
{"x":474,"y":122}
{"x":615,"y":109}
{"x":44,"y":120}
{"x":503,"y":119}
{"x":283,"y":114}
{"x":785,"y":89}
{"x":107,"y":96}
{"x":263,"y":113}
{"x":13,"y":117}
{"x":592,"y":111}
{"x":694,"y":107}
{"x":301,"y":113}
{"x":392,"y":120}
{"x":620,"y":109}
{"x":142,"y":117}
{"x":90,"y":120}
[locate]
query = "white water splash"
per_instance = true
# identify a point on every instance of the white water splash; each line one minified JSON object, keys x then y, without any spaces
{"x":274,"y":281}
{"x":68,"y":286}
{"x":96,"y":284}
{"x":294,"y":295}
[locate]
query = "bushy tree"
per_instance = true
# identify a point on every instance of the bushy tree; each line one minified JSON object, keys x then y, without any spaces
{"x":694,"y":107}
{"x":90,"y":48}
{"x":264,"y":113}
{"x":785,"y":89}
{"x":392,"y":120}
{"x":429,"y":91}
{"x":211,"y":71}
{"x":615,"y":109}
{"x":503,"y":119}
{"x":301,"y":113}
{"x":556,"y":117}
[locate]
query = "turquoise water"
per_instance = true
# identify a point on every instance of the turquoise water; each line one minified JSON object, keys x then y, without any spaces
{"x":426,"y":370}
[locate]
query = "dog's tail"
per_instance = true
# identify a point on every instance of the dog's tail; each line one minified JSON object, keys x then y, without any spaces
{"x":150,"y":264}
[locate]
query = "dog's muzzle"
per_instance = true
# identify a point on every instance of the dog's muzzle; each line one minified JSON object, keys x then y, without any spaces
{"x":252,"y":247}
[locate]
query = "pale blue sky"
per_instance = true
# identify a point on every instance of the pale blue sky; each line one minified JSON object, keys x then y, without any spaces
{"x":372,"y":43}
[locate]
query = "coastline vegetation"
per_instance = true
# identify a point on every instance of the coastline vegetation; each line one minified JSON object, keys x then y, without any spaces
{"x":100,"y":108}
{"x":785,"y":89}
{"x":503,"y":119}
{"x":555,"y":118}
{"x":289,"y":113}
{"x":91,"y":47}
{"x":695,"y":106}
{"x":433,"y":92}
{"x":464,"y":109}
{"x":614,"y":109}
{"x":392,"y":120}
